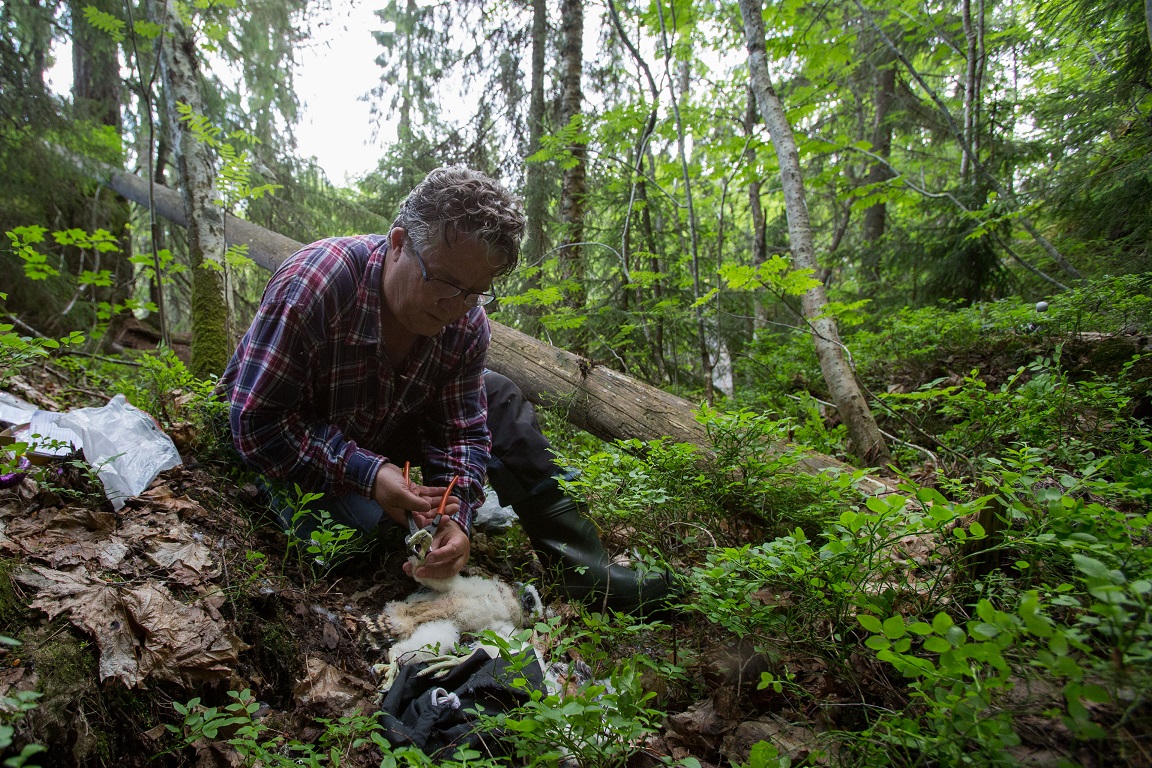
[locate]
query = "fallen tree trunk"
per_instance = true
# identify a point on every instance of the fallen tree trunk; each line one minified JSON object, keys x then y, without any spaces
{"x":265,"y":247}
{"x":601,"y":401}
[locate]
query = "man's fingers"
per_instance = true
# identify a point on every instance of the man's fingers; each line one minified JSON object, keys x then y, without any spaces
{"x":449,"y":553}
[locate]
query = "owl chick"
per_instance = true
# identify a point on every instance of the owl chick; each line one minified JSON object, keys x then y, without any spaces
{"x":430,"y":622}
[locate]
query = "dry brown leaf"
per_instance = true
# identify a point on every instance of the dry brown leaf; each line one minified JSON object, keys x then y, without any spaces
{"x":141,"y":631}
{"x":187,"y":560}
{"x":791,"y":740}
{"x":776,"y":597}
{"x":162,"y":499}
{"x":326,"y":685}
{"x":16,"y":679}
{"x":700,"y":725}
{"x":95,"y":520}
{"x":109,"y":554}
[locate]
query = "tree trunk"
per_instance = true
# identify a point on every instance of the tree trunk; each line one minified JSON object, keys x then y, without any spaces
{"x":95,"y":67}
{"x":1148,"y":19}
{"x":96,"y":97}
{"x":536,"y":190}
{"x":658,"y":284}
{"x":573,"y":185}
{"x":653,"y":335}
{"x":155,"y":288}
{"x":969,"y":90}
{"x":867,"y":441}
{"x":211,"y":342}
{"x":876,"y":215}
{"x":706,"y":362}
{"x":759,"y":224}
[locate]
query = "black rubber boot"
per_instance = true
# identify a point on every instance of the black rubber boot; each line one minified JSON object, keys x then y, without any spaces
{"x":569,"y":547}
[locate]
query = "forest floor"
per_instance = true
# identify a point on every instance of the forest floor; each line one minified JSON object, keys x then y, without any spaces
{"x":192,"y":591}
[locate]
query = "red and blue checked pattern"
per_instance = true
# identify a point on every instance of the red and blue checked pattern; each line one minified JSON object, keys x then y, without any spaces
{"x":314,"y":397}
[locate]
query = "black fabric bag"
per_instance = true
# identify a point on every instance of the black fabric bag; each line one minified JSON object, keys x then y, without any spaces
{"x":439,"y":715}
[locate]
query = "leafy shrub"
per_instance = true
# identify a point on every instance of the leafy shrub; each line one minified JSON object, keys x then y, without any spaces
{"x":18,"y":352}
{"x":239,"y":725}
{"x":652,"y":485}
{"x":813,"y":590}
{"x":599,"y":724}
{"x":1039,"y":405}
{"x":164,"y":387}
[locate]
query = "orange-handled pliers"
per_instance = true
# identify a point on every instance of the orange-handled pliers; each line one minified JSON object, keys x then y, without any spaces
{"x":419,"y":540}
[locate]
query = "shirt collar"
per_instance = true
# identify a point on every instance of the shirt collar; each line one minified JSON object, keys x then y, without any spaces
{"x":365,"y":327}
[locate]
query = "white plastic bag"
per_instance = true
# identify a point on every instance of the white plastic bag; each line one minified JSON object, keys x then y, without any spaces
{"x":125,"y":446}
{"x":490,"y":516}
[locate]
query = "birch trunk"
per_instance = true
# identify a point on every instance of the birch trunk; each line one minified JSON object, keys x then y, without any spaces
{"x":179,"y":69}
{"x":868,"y":443}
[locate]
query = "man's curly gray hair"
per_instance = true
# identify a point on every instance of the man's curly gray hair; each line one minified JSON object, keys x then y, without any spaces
{"x":454,"y":201}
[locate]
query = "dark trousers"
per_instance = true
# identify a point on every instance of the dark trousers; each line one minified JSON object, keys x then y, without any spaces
{"x":521,"y":463}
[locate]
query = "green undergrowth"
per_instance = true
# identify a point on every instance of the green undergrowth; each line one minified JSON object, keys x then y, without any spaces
{"x":1087,"y":332}
{"x":1000,"y":591}
{"x":895,"y":579}
{"x":1075,"y":422}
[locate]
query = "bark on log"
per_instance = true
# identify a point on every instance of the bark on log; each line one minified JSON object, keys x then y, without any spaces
{"x":599,"y":400}
{"x":608,"y":404}
{"x":266,"y":248}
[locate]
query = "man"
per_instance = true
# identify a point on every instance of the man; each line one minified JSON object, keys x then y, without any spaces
{"x":368,"y":352}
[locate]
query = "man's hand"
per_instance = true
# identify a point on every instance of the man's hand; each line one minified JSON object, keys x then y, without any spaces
{"x":449,"y":553}
{"x":397,"y":497}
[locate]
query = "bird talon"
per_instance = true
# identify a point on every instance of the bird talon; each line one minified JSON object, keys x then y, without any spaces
{"x":440,"y":666}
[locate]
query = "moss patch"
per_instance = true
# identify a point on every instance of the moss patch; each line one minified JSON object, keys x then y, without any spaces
{"x":13,"y":614}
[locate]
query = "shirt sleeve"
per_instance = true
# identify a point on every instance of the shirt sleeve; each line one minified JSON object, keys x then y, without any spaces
{"x":271,"y":384}
{"x":457,"y":439}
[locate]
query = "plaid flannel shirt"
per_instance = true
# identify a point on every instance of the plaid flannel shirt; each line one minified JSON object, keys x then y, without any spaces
{"x":314,"y":397}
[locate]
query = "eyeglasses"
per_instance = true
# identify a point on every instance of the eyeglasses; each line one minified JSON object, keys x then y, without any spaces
{"x":447,"y":290}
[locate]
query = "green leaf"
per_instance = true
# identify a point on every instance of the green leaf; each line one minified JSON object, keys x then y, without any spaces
{"x":705,"y":298}
{"x":984,"y":630}
{"x":894,"y":627}
{"x":870,"y":623}
{"x":985,"y":611}
{"x":1095,"y":693}
{"x":148,"y":30}
{"x":937,"y":645}
{"x":105,"y":22}
{"x":941,"y":622}
{"x":1090,"y":566}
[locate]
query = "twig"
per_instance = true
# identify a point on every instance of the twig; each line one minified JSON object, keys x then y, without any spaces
{"x":695,"y":525}
{"x":24,"y":326}
{"x":102,"y":358}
